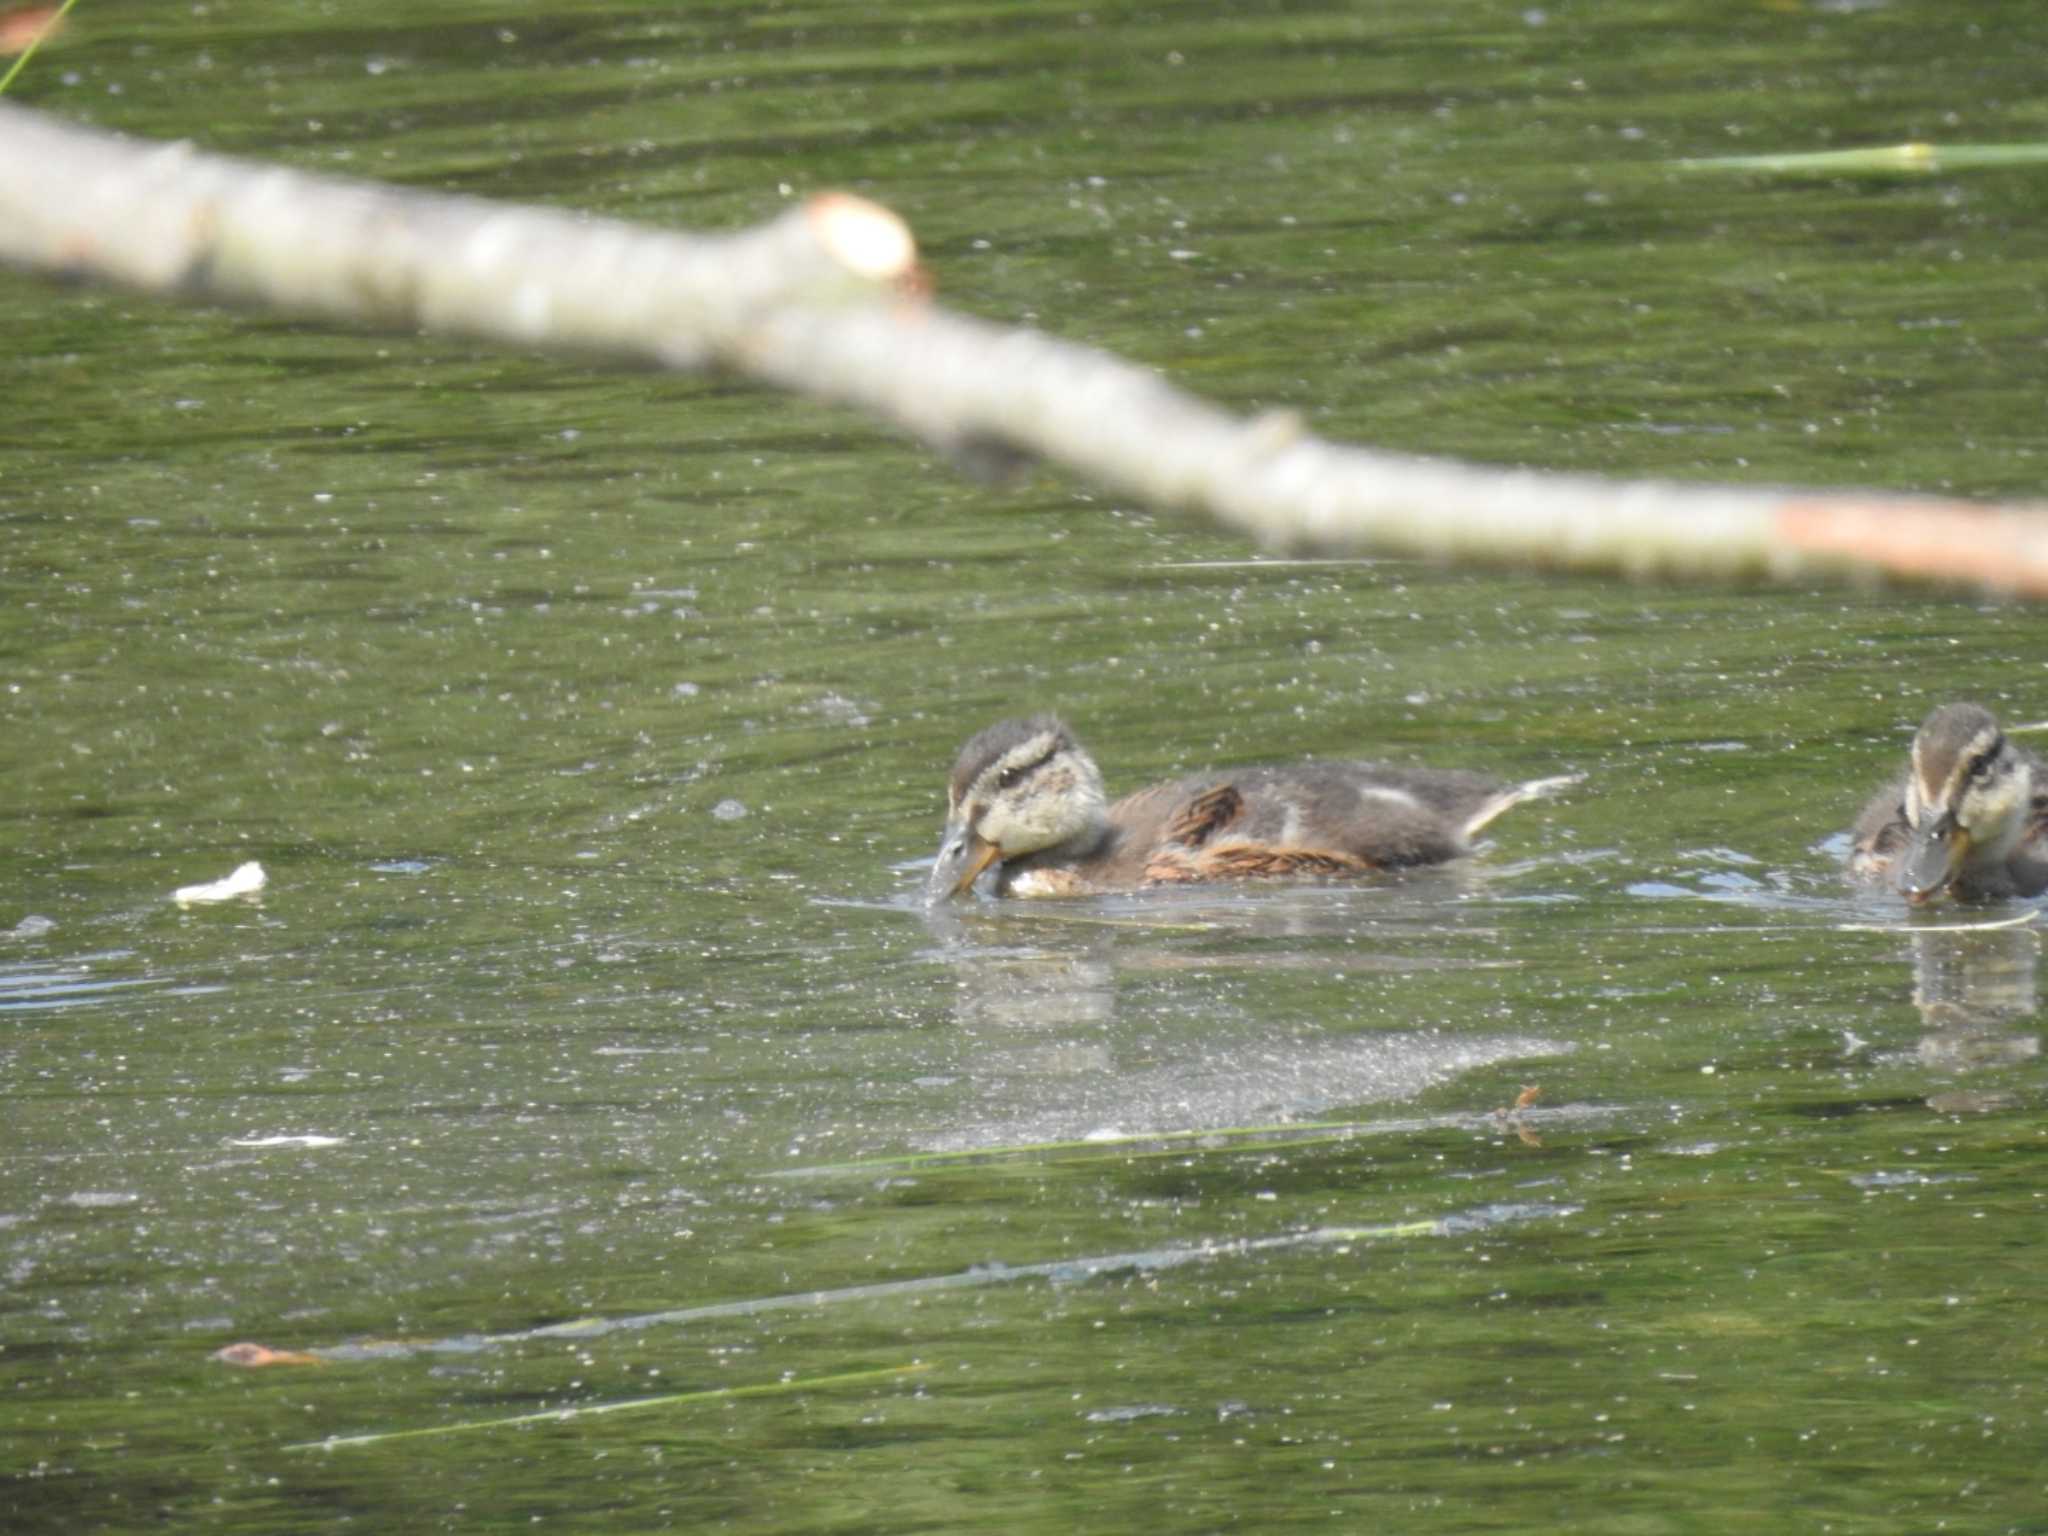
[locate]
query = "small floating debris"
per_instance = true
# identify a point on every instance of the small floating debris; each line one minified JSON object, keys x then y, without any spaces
{"x":285,"y":1141}
{"x":245,"y":881}
{"x":1131,"y":1412}
{"x":101,"y":1199}
{"x":729,"y":810}
{"x":1908,"y":1178}
{"x":251,"y":1356}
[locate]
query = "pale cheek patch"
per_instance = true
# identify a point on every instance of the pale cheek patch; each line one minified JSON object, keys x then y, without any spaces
{"x":1997,"y":805}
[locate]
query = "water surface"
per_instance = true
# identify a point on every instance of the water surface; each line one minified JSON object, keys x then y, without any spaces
{"x":591,"y":728}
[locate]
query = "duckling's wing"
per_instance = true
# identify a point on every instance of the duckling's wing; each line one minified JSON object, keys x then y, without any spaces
{"x":1181,"y":810}
{"x":1256,"y":823}
{"x":1210,"y":810}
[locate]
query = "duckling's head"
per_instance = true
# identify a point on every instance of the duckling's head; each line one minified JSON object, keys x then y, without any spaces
{"x":1967,"y":798}
{"x":1018,"y":787}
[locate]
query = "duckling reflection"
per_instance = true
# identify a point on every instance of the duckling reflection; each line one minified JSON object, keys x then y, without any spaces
{"x":1967,"y":820}
{"x":1156,"y":1016}
{"x":1026,"y":799}
{"x":1974,"y":987}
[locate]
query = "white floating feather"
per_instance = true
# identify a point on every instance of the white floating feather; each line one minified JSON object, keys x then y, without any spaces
{"x":245,"y":881}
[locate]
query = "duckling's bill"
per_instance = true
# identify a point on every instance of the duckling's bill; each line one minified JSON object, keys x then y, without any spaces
{"x":963,"y":855}
{"x":1931,"y":860}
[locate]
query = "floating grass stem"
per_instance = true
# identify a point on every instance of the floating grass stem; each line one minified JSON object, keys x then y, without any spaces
{"x":1879,"y":160}
{"x":560,"y":1415}
{"x":1136,"y":1144}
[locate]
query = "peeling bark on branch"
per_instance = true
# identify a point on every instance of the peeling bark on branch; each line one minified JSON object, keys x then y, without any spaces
{"x":827,"y":301}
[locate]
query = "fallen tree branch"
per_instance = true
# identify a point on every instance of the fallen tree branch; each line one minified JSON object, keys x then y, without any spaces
{"x":828,"y":301}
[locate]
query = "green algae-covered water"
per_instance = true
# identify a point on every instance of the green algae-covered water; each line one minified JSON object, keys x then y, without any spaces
{"x":1637,"y":1177}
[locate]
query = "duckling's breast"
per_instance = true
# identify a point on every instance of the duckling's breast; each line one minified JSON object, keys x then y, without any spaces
{"x":1049,"y":881}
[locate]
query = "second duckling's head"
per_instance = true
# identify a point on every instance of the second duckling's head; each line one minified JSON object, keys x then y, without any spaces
{"x":1018,"y":787}
{"x":1967,"y":797}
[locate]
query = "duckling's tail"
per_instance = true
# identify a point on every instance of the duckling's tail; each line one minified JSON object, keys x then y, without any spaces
{"x":1514,"y":795}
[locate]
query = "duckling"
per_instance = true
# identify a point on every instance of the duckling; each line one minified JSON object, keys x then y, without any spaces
{"x":1026,"y":797}
{"x":1970,"y":818}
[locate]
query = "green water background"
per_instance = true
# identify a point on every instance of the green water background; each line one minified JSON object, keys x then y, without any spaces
{"x":470,"y":648}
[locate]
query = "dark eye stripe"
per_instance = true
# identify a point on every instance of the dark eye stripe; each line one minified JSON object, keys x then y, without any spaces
{"x":1011,"y":776}
{"x":1980,"y":765}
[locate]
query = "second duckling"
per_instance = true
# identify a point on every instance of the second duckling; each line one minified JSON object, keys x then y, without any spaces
{"x":1969,"y":819}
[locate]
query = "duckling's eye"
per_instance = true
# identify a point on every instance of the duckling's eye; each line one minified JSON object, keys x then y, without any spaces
{"x":1009,"y":778}
{"x":1980,"y":770}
